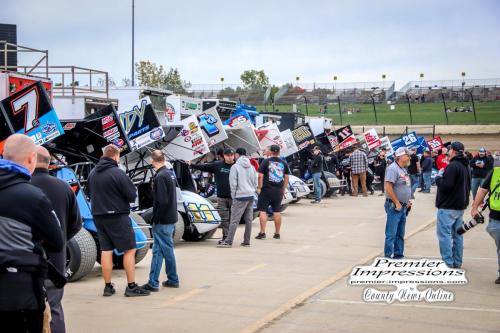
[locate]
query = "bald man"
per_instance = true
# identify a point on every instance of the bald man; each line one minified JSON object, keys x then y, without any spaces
{"x":27,"y":222}
{"x":64,"y":202}
{"x":111,"y":192}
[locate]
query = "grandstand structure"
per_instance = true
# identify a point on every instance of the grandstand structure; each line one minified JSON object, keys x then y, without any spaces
{"x":482,"y":90}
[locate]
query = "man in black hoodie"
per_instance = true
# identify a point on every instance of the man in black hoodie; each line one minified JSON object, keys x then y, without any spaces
{"x":111,"y":192}
{"x":27,"y":222}
{"x":220,"y":169}
{"x":453,"y":190}
{"x":164,"y":220}
{"x":63,"y":201}
{"x":481,"y":165}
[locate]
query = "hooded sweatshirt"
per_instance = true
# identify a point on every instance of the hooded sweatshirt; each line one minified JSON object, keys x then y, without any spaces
{"x":26,"y":219}
{"x":453,"y":188}
{"x":111,"y":190}
{"x":243,"y":179}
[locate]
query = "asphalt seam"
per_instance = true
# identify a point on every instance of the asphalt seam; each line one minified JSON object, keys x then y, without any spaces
{"x":299,"y":300}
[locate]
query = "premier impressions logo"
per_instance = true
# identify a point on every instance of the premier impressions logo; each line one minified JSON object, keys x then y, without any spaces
{"x":406,"y":275}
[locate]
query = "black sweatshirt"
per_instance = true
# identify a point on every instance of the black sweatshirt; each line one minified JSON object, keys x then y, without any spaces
{"x":220,"y":170}
{"x":26,"y":210}
{"x":317,"y":164}
{"x":453,"y":188}
{"x":165,"y":197}
{"x":63,"y":201}
{"x":478,"y":172}
{"x":111,"y":190}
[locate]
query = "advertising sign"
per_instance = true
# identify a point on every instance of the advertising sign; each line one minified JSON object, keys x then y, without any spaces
{"x":343,"y":133}
{"x":29,"y":111}
{"x":304,"y":137}
{"x":435,"y":143}
{"x":410,"y":140}
{"x":140,"y":123}
{"x":189,"y":143}
{"x":212,"y":127}
{"x":289,"y":142}
{"x":243,"y":136}
{"x":271,"y":135}
{"x":372,"y":139}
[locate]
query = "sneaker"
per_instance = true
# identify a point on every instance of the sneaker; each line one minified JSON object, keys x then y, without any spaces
{"x":315,"y":202}
{"x":261,"y":235}
{"x":276,"y":236}
{"x":381,"y":194}
{"x":497,"y":281}
{"x":224,"y":245}
{"x":109,"y":291}
{"x":147,"y":286}
{"x":136,"y":291}
{"x":220,"y":241}
{"x":167,"y":284}
{"x":245,"y":244}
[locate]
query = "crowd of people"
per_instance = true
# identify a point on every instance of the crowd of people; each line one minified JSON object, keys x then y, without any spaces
{"x":39,"y":213}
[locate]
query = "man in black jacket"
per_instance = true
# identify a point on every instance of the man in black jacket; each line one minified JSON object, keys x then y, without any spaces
{"x":317,"y":171}
{"x":481,"y":165}
{"x":63,"y":201}
{"x":220,"y":169}
{"x":27,"y":222}
{"x":453,"y":190}
{"x":164,"y":219}
{"x":111,"y":192}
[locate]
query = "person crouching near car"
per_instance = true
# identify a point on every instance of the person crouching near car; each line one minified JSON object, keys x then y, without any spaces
{"x":111,"y":192}
{"x":243,"y":182}
{"x":453,"y":191}
{"x":164,"y":220}
{"x":398,"y":193}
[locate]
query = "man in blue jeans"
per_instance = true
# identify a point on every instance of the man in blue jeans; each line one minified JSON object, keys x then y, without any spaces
{"x":491,"y":185}
{"x":164,"y":220}
{"x":317,"y":171}
{"x":453,"y":191}
{"x":414,"y":170}
{"x":426,"y":169}
{"x":398,"y":193}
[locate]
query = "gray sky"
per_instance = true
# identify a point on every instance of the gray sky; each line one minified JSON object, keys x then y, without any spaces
{"x":355,"y":40}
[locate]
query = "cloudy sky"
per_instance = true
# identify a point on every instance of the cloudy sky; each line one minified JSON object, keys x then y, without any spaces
{"x":355,"y":40}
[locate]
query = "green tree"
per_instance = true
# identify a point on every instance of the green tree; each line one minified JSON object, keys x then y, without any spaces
{"x":253,"y":79}
{"x":152,"y":75}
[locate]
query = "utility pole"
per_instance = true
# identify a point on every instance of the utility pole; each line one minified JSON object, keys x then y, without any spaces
{"x":133,"y":69}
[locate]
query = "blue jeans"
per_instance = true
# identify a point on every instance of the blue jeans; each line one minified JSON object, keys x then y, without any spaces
{"x":394,"y":231}
{"x":475,"y":183}
{"x":451,"y":244}
{"x":493,"y":229}
{"x":163,"y":248}
{"x":427,"y":181}
{"x":414,"y":182}
{"x":317,"y":185}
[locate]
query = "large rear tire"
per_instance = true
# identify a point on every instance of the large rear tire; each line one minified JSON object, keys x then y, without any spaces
{"x":147,"y":215}
{"x":81,"y":255}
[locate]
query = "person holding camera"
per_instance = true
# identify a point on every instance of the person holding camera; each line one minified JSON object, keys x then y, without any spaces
{"x":63,"y":201}
{"x":397,"y":203}
{"x":491,"y":185}
{"x":28,"y":228}
{"x":453,"y":190}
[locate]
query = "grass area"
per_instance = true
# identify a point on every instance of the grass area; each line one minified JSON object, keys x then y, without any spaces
{"x":425,"y":113}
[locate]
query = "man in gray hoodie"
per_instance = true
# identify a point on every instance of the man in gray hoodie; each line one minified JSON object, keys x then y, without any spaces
{"x":243,"y":182}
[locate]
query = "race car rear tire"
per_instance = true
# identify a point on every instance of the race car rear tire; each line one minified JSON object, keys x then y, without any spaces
{"x":81,"y":255}
{"x":147,"y":215}
{"x":139,"y":253}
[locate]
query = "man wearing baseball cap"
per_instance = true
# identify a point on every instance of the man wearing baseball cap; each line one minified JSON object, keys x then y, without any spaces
{"x":481,"y":165}
{"x":398,"y":194}
{"x":220,"y":169}
{"x":453,"y":190}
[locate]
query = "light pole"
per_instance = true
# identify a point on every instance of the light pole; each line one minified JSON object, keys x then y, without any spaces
{"x":222,"y":83}
{"x":334,"y":83}
{"x":420,"y":87}
{"x":132,"y":74}
{"x":463,"y":86}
